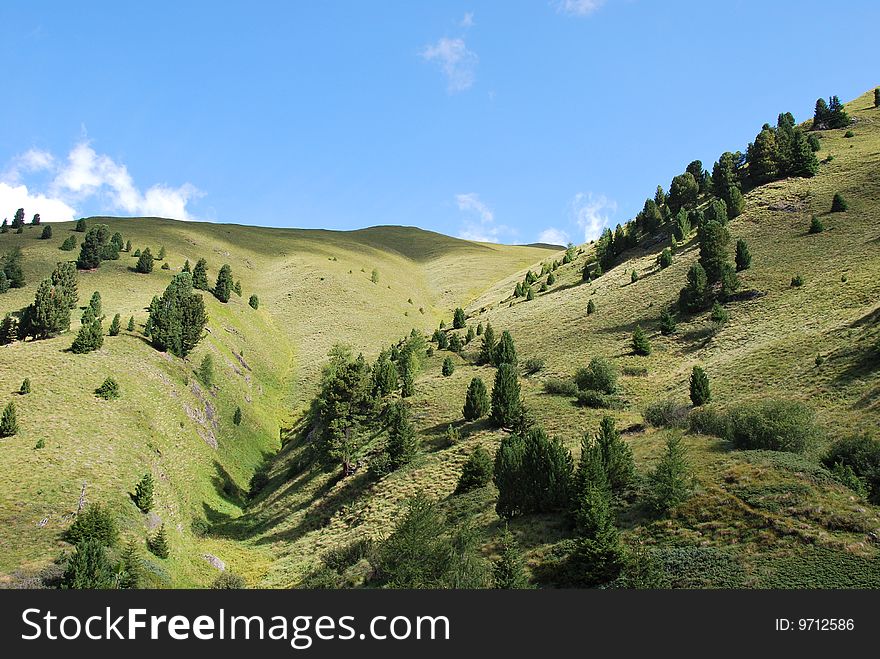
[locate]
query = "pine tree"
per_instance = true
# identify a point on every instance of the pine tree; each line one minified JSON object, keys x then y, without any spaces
{"x":133,"y":574}
{"x":408,"y":377}
{"x":162,"y":253}
{"x":137,"y":252}
{"x":640,"y":344}
{"x":816,"y":225}
{"x":667,"y":322}
{"x":802,"y":157}
{"x":92,"y":250}
{"x":186,"y":267}
{"x":442,"y":340}
{"x":719,"y":314}
{"x":254,"y":302}
{"x":508,"y":570}
{"x":49,"y":314}
{"x":206,"y":371}
{"x":717,"y":212}
{"x":591,"y":307}
{"x":128,"y":246}
{"x":736,"y":203}
{"x":109,"y":389}
{"x":665,"y":258}
{"x":455,"y":343}
{"x":617,"y":456}
{"x":683,"y":192}
{"x":598,"y":556}
{"x":699,"y":384}
{"x":403,"y":442}
{"x":551,"y":279}
{"x":143,"y":493}
{"x":476,"y":402}
{"x":476,"y":471}
{"x":487,"y":351}
{"x":459,"y":319}
{"x":237,"y":288}
{"x":505,"y":396}
{"x":223,"y":287}
{"x":145,"y":262}
{"x":95,"y":304}
{"x":530,"y":294}
{"x":743,"y":256}
{"x":158,"y":544}
{"x":8,"y":330}
{"x":714,"y":241}
{"x":8,"y":422}
{"x":64,"y":277}
{"x":585,"y":273}
{"x":88,"y":568}
{"x":470,"y":335}
{"x":25,"y":387}
{"x":480,"y":329}
{"x":114,"y":326}
{"x":177,"y":321}
{"x":130,"y":327}
{"x":4,"y":226}
{"x":89,"y":338}
{"x":505,"y":352}
{"x":80,"y":225}
{"x":838,"y":203}
{"x":671,"y":481}
{"x":200,"y":275}
{"x":47,"y":232}
{"x":634,"y":276}
{"x":448,"y":367}
{"x":385,"y":376}
{"x":877,"y":97}
{"x":763,"y":157}
{"x":12,"y":268}
{"x":236,"y":417}
{"x":374,"y":277}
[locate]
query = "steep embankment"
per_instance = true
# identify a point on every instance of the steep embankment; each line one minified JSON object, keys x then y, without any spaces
{"x":758,"y":518}
{"x":315,"y":289}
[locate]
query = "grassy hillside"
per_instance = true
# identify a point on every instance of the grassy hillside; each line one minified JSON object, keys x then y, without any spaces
{"x":315,"y":290}
{"x":785,"y":520}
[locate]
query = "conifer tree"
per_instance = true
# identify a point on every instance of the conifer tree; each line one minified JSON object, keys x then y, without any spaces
{"x":130,"y":324}
{"x":236,"y":417}
{"x":476,"y":471}
{"x":634,"y":276}
{"x":109,"y":389}
{"x":671,"y":481}
{"x":476,"y":402}
{"x":408,"y":376}
{"x":137,"y":252}
{"x":8,"y":330}
{"x":459,"y":319}
{"x":145,"y":262}
{"x":95,"y":304}
{"x":128,"y":246}
{"x":470,"y":335}
{"x":254,"y":302}
{"x":162,"y":253}
{"x":89,"y":338}
{"x":88,"y":568}
{"x":667,"y":322}
{"x":551,"y":279}
{"x":64,"y":278}
{"x":448,"y":367}
{"x":714,"y":241}
{"x":158,"y":544}
{"x":617,"y":457}
{"x":699,"y":385}
{"x":237,"y":288}
{"x":717,"y":212}
{"x":80,"y":225}
{"x":598,"y":555}
{"x":92,"y":250}
{"x":200,"y":275}
{"x":802,"y":159}
{"x":455,"y":343}
{"x":115,"y":326}
{"x":143,"y":493}
{"x":640,"y":344}
{"x":505,"y":352}
{"x":403,"y":442}
{"x":505,"y":396}
{"x":177,"y":321}
{"x":665,"y":258}
{"x":4,"y":282}
{"x":25,"y":387}
{"x":132,"y":576}
{"x":763,"y":157}
{"x":480,"y":329}
{"x":585,"y":273}
{"x":4,"y":226}
{"x":719,"y":314}
{"x":683,"y":192}
{"x":46,"y":233}
{"x":508,"y":570}
{"x":12,"y":268}
{"x":442,"y":340}
{"x":838,"y":203}
{"x":591,"y":307}
{"x":8,"y":422}
{"x":206,"y":371}
{"x":816,"y":225}
{"x":736,"y":203}
{"x":681,"y":228}
{"x":223,"y":287}
{"x":530,"y":294}
{"x":877,"y":97}
{"x":487,"y":351}
{"x":49,"y":314}
{"x":743,"y":256}
{"x":186,"y":267}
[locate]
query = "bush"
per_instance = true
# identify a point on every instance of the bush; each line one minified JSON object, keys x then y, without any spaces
{"x":838,"y":203}
{"x":561,"y":387}
{"x":228,"y":581}
{"x":594,"y":399}
{"x":96,"y":524}
{"x":709,"y":421}
{"x":254,"y":302}
{"x":109,"y":389}
{"x":666,"y":414}
{"x":849,"y":134}
{"x":448,"y":367}
{"x":533,"y":365}
{"x":599,"y":375}
{"x":774,"y":425}
{"x":797,"y":281}
{"x":476,"y":472}
{"x":25,"y":387}
{"x":47,"y":232}
{"x":816,"y":225}
{"x":862,"y":455}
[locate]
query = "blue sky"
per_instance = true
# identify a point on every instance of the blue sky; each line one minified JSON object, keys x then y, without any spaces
{"x":507,"y":121}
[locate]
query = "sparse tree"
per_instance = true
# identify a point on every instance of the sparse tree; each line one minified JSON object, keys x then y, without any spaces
{"x":591,"y":307}
{"x":177,"y":320}
{"x":506,"y":401}
{"x":92,"y":250}
{"x":743,"y":256}
{"x":200,"y":275}
{"x":403,"y":443}
{"x":46,"y":233}
{"x":80,"y":225}
{"x":254,"y":302}
{"x":505,"y":352}
{"x":49,"y":314}
{"x":143,"y":493}
{"x":88,"y":568}
{"x":699,"y":386}
{"x":130,"y":324}
{"x":223,"y":287}
{"x":476,"y":402}
{"x":667,"y":322}
{"x":145,"y":262}
{"x":236,"y":417}
{"x":115,"y":326}
{"x":508,"y":570}
{"x":109,"y":389}
{"x":487,"y":351}
{"x":158,"y":544}
{"x":9,"y":421}
{"x":816,"y":225}
{"x":665,"y":259}
{"x":671,"y":481}
{"x":25,"y":387}
{"x":206,"y":371}
{"x":640,"y":344}
{"x":459,"y":319}
{"x":448,"y":367}
{"x":838,"y":203}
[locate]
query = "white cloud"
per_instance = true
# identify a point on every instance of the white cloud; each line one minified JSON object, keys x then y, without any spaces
{"x":87,"y":175}
{"x":592,"y":213}
{"x":480,"y":224}
{"x":578,"y":7}
{"x":553,"y":236}
{"x":468,"y":20}
{"x":13,"y":197}
{"x":457,"y":63}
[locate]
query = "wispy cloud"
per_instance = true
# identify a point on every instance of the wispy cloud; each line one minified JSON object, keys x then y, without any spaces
{"x":479,"y":225}
{"x":456,"y":62}
{"x":553,"y":236}
{"x":468,"y":20}
{"x":85,"y":175}
{"x":592,"y":213}
{"x":578,"y":7}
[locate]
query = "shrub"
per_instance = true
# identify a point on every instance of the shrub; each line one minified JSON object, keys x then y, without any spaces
{"x":25,"y":387}
{"x":797,"y":280}
{"x":599,"y":375}
{"x":95,"y":524}
{"x":665,"y":258}
{"x":47,"y":232}
{"x":849,"y":134}
{"x":774,"y":425}
{"x":476,"y":472}
{"x":666,"y":414}
{"x":640,"y":344}
{"x":206,"y":371}
{"x":158,"y":544}
{"x":143,"y":493}
{"x":533,"y":365}
{"x":69,"y":244}
{"x":594,"y":399}
{"x":816,"y":225}
{"x":254,"y":302}
{"x":165,"y":266}
{"x":699,"y":387}
{"x":838,"y":203}
{"x":228,"y":581}
{"x":591,"y":308}
{"x":709,"y":421}
{"x":8,"y":422}
{"x":448,"y":367}
{"x":476,"y":402}
{"x":561,"y":387}
{"x":109,"y":389}
{"x":236,"y":417}
{"x":634,"y":276}
{"x":862,"y":455}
